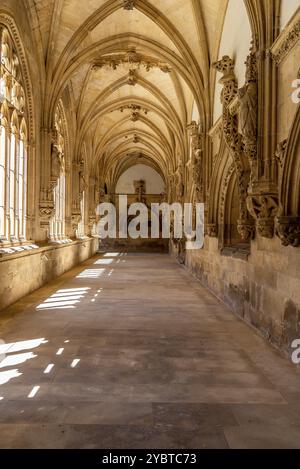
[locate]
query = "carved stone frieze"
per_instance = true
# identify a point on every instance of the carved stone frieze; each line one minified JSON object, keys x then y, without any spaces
{"x":286,"y":41}
{"x":132,"y":60}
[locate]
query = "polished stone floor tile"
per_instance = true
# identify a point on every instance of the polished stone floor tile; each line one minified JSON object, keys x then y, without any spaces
{"x":130,"y":351}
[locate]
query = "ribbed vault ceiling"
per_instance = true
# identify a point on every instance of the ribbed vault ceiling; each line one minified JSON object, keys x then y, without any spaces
{"x":135,"y":70}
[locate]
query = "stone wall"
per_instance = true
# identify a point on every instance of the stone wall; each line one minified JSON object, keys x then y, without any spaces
{"x":23,"y":273}
{"x":264,"y":289}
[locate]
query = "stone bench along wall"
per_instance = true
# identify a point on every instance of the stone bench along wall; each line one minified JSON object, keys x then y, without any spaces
{"x":21,"y":274}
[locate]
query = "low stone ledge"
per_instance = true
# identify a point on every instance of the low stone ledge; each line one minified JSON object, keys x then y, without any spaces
{"x":41,"y":248}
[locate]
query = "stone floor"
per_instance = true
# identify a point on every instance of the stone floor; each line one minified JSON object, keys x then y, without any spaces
{"x":129,"y":351}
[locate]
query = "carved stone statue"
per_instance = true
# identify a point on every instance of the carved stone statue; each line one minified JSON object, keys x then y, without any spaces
{"x":198,"y":173}
{"x":179,"y":182}
{"x":140,"y":190}
{"x":248,"y":111}
{"x":82,"y":182}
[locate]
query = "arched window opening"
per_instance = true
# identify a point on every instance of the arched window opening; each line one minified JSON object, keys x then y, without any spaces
{"x":13,"y":145}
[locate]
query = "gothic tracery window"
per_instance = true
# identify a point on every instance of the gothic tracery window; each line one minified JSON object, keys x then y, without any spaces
{"x":13,"y":145}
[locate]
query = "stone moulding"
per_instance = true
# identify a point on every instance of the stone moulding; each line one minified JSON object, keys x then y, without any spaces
{"x":216,"y":129}
{"x":286,"y":40}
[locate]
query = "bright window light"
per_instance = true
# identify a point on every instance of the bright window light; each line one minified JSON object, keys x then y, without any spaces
{"x":91,"y":273}
{"x":72,"y":289}
{"x":49,"y":308}
{"x":51,"y":299}
{"x":12,"y":360}
{"x":57,"y":304}
{"x":49,"y":368}
{"x":34,"y":392}
{"x":22,"y":345}
{"x":6,"y":376}
{"x":60,"y":351}
{"x":75,"y":362}
{"x":112,"y":254}
{"x":104,"y":261}
{"x":67,"y":296}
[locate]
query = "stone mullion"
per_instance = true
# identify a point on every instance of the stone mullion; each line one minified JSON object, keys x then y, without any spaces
{"x":68,"y":200}
{"x":76,"y":212}
{"x":17,"y":187}
{"x":46,"y":204}
{"x":7,"y":188}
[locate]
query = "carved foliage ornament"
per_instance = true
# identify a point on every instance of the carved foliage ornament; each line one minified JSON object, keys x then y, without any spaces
{"x":132,"y":78}
{"x":128,"y":4}
{"x":280,"y":152}
{"x":288,"y":230}
{"x":289,"y":39}
{"x":231,"y":133}
{"x":132,"y":60}
{"x":136,"y":111}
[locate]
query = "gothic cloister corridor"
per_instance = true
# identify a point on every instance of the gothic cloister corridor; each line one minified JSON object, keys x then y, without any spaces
{"x":129,"y":350}
{"x":149,"y":229}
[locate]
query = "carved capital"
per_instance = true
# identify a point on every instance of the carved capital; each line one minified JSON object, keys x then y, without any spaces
{"x":246,"y":229}
{"x":264,"y":209}
{"x":288,"y":230}
{"x":46,"y":212}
